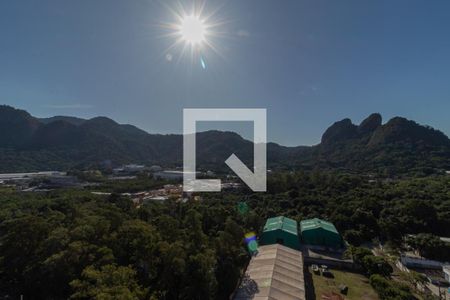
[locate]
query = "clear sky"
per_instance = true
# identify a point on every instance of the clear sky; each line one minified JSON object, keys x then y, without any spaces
{"x":310,"y":63}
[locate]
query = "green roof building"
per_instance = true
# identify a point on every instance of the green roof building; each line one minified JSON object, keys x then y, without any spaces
{"x":321,"y":233}
{"x":280,"y":230}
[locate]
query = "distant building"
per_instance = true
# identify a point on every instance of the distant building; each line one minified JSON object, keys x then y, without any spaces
{"x":18,"y":176}
{"x":59,"y":181}
{"x":280,"y":230}
{"x":420,"y":263}
{"x":155,"y":168}
{"x":170,"y":175}
{"x":133,"y":168}
{"x":155,"y":198}
{"x":321,"y":233}
{"x":173,"y":189}
{"x":40,"y":181}
{"x":231,"y":185}
{"x":446,"y":270}
{"x":129,"y":169}
{"x":275,"y":272}
{"x":436,"y":272}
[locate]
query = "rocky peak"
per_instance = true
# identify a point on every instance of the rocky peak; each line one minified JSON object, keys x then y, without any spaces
{"x":399,"y":129}
{"x":341,"y":130}
{"x":370,"y":124}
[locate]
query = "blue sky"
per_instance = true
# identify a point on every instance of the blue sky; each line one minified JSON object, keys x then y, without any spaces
{"x":310,"y":63}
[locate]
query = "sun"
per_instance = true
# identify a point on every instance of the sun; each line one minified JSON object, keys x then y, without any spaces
{"x":196,"y":33}
{"x":192,"y":30}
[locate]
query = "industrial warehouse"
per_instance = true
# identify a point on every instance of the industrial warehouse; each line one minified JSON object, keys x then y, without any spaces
{"x":315,"y":233}
{"x":276,"y":270}
{"x":321,"y":233}
{"x":281,"y":230}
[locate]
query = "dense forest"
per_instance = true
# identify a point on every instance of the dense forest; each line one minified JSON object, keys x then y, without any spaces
{"x":73,"y":244}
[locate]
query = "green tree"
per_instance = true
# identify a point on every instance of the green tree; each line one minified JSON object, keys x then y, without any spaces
{"x":136,"y":243}
{"x":21,"y":251}
{"x":430,"y":246}
{"x":390,"y":290}
{"x":200,"y":280}
{"x":376,"y":265}
{"x":108,"y":282}
{"x":230,"y":257}
{"x":357,"y":253}
{"x":172,"y":270}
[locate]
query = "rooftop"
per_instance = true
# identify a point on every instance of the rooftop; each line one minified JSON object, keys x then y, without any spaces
{"x":410,"y":261}
{"x":317,"y":223}
{"x":282,"y":223}
{"x":446,"y":269}
{"x":276,"y":272}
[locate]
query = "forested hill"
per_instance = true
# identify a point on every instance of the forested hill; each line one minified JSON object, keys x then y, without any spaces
{"x":60,"y":143}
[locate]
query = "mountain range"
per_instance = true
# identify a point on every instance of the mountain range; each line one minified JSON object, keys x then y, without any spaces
{"x":28,"y":143}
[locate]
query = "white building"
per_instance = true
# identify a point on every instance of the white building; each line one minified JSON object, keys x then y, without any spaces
{"x":446,"y":270}
{"x":155,"y":168}
{"x":171,"y":175}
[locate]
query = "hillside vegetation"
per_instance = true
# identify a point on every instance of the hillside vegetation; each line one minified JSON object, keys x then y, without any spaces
{"x":74,"y":244}
{"x":400,"y":146}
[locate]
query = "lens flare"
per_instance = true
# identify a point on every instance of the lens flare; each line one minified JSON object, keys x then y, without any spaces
{"x":202,"y":62}
{"x":252,"y":244}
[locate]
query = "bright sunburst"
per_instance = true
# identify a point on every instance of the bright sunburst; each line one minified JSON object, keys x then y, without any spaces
{"x":192,"y":30}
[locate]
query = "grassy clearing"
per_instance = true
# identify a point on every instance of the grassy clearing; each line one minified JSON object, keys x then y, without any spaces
{"x":358,"y":285}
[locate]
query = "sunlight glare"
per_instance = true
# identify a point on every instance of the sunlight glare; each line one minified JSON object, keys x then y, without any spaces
{"x":192,"y":30}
